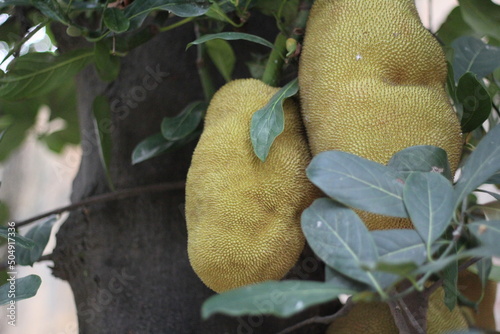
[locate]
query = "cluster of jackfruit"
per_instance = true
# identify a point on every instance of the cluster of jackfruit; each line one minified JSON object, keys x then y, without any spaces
{"x":371,"y":83}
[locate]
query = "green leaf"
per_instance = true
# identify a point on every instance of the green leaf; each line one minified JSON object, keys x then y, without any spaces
{"x":18,"y":239}
{"x":450,"y":280}
{"x":222,"y":55}
{"x":343,"y":282}
{"x":344,"y":176}
{"x":400,"y":252}
{"x":139,"y":10}
{"x":473,"y":55}
{"x":484,"y":267}
{"x":494,"y":273}
{"x":25,"y":287}
{"x":116,"y":20}
{"x":453,"y":27}
{"x":107,"y":65}
{"x":423,"y":158}
{"x":51,"y":9}
{"x":180,"y":126}
{"x":428,"y":198}
{"x":40,"y":234}
{"x":399,"y":246}
{"x":230,"y":36}
{"x":488,"y":232}
{"x":36,"y":74}
{"x":480,"y":166}
{"x":269,"y":122}
{"x":157,"y":144}
{"x":103,"y":126}
{"x":475,"y":100}
{"x":339,"y":237}
{"x":281,"y":299}
{"x":482,"y":15}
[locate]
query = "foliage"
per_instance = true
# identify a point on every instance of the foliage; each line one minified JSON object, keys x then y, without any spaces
{"x":450,"y":227}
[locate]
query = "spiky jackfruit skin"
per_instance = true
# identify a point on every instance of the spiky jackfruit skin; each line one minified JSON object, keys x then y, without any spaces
{"x":372,"y":83}
{"x":376,"y":318}
{"x":243,"y":215}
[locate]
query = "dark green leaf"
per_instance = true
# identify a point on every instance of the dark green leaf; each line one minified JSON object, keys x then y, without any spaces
{"x":25,"y":287}
{"x":268,"y":122}
{"x":473,"y":55}
{"x":222,"y":55}
{"x":396,"y":271}
{"x":178,"y":127}
{"x":482,"y":15}
{"x":428,"y":198}
{"x":424,"y":158}
{"x":492,"y":194}
{"x":103,"y":126}
{"x":476,"y":102}
{"x":51,"y":9}
{"x":40,"y":234}
{"x":230,"y":36}
{"x":157,"y":144}
{"x":281,"y":299}
{"x":36,"y":74}
{"x":116,"y":20}
{"x":450,"y":279}
{"x":488,"y":232}
{"x":453,"y":27}
{"x":19,"y":239}
{"x":107,"y":65}
{"x":339,"y":237}
{"x":344,"y":176}
{"x":483,"y":163}
{"x":138,"y":10}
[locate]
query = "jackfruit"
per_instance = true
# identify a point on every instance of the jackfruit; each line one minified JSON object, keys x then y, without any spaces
{"x":376,"y":318}
{"x":470,"y":286}
{"x":243,"y":215}
{"x":371,"y":81}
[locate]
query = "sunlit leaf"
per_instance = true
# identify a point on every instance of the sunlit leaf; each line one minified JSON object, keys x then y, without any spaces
{"x":230,"y":36}
{"x":222,"y":55}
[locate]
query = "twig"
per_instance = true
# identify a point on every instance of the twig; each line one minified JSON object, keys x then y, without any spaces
{"x":112,"y":196}
{"x":321,"y":320}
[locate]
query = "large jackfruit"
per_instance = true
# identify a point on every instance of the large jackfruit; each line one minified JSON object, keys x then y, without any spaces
{"x":372,"y":83}
{"x":376,"y":318}
{"x":243,"y":215}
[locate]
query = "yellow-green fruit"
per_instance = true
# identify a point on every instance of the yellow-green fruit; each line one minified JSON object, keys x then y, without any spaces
{"x":470,"y":286}
{"x":372,"y":83}
{"x":376,"y":318}
{"x":243,"y":215}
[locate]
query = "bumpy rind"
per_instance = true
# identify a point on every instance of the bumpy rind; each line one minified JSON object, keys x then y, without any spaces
{"x":372,"y":83}
{"x":243,"y":215}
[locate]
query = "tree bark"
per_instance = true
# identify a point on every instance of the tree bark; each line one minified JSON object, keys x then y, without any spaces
{"x":126,"y":261}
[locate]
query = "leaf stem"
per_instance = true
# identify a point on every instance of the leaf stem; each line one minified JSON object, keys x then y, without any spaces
{"x":176,"y":24}
{"x":201,"y":63}
{"x":272,"y":72}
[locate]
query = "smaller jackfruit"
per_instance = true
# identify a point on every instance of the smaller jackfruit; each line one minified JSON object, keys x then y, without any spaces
{"x":243,"y":215}
{"x":376,"y":318}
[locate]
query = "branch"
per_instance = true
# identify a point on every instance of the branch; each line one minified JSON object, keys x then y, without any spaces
{"x":321,"y":320}
{"x":107,"y":197}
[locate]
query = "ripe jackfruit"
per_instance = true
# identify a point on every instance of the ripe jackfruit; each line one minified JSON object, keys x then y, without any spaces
{"x":372,"y":83}
{"x":376,"y":318}
{"x":243,"y":215}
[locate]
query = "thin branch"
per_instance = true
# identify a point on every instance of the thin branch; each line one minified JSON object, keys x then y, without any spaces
{"x":321,"y":320}
{"x":112,"y":196}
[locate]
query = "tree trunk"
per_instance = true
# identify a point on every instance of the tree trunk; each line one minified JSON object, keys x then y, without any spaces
{"x":126,"y":261}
